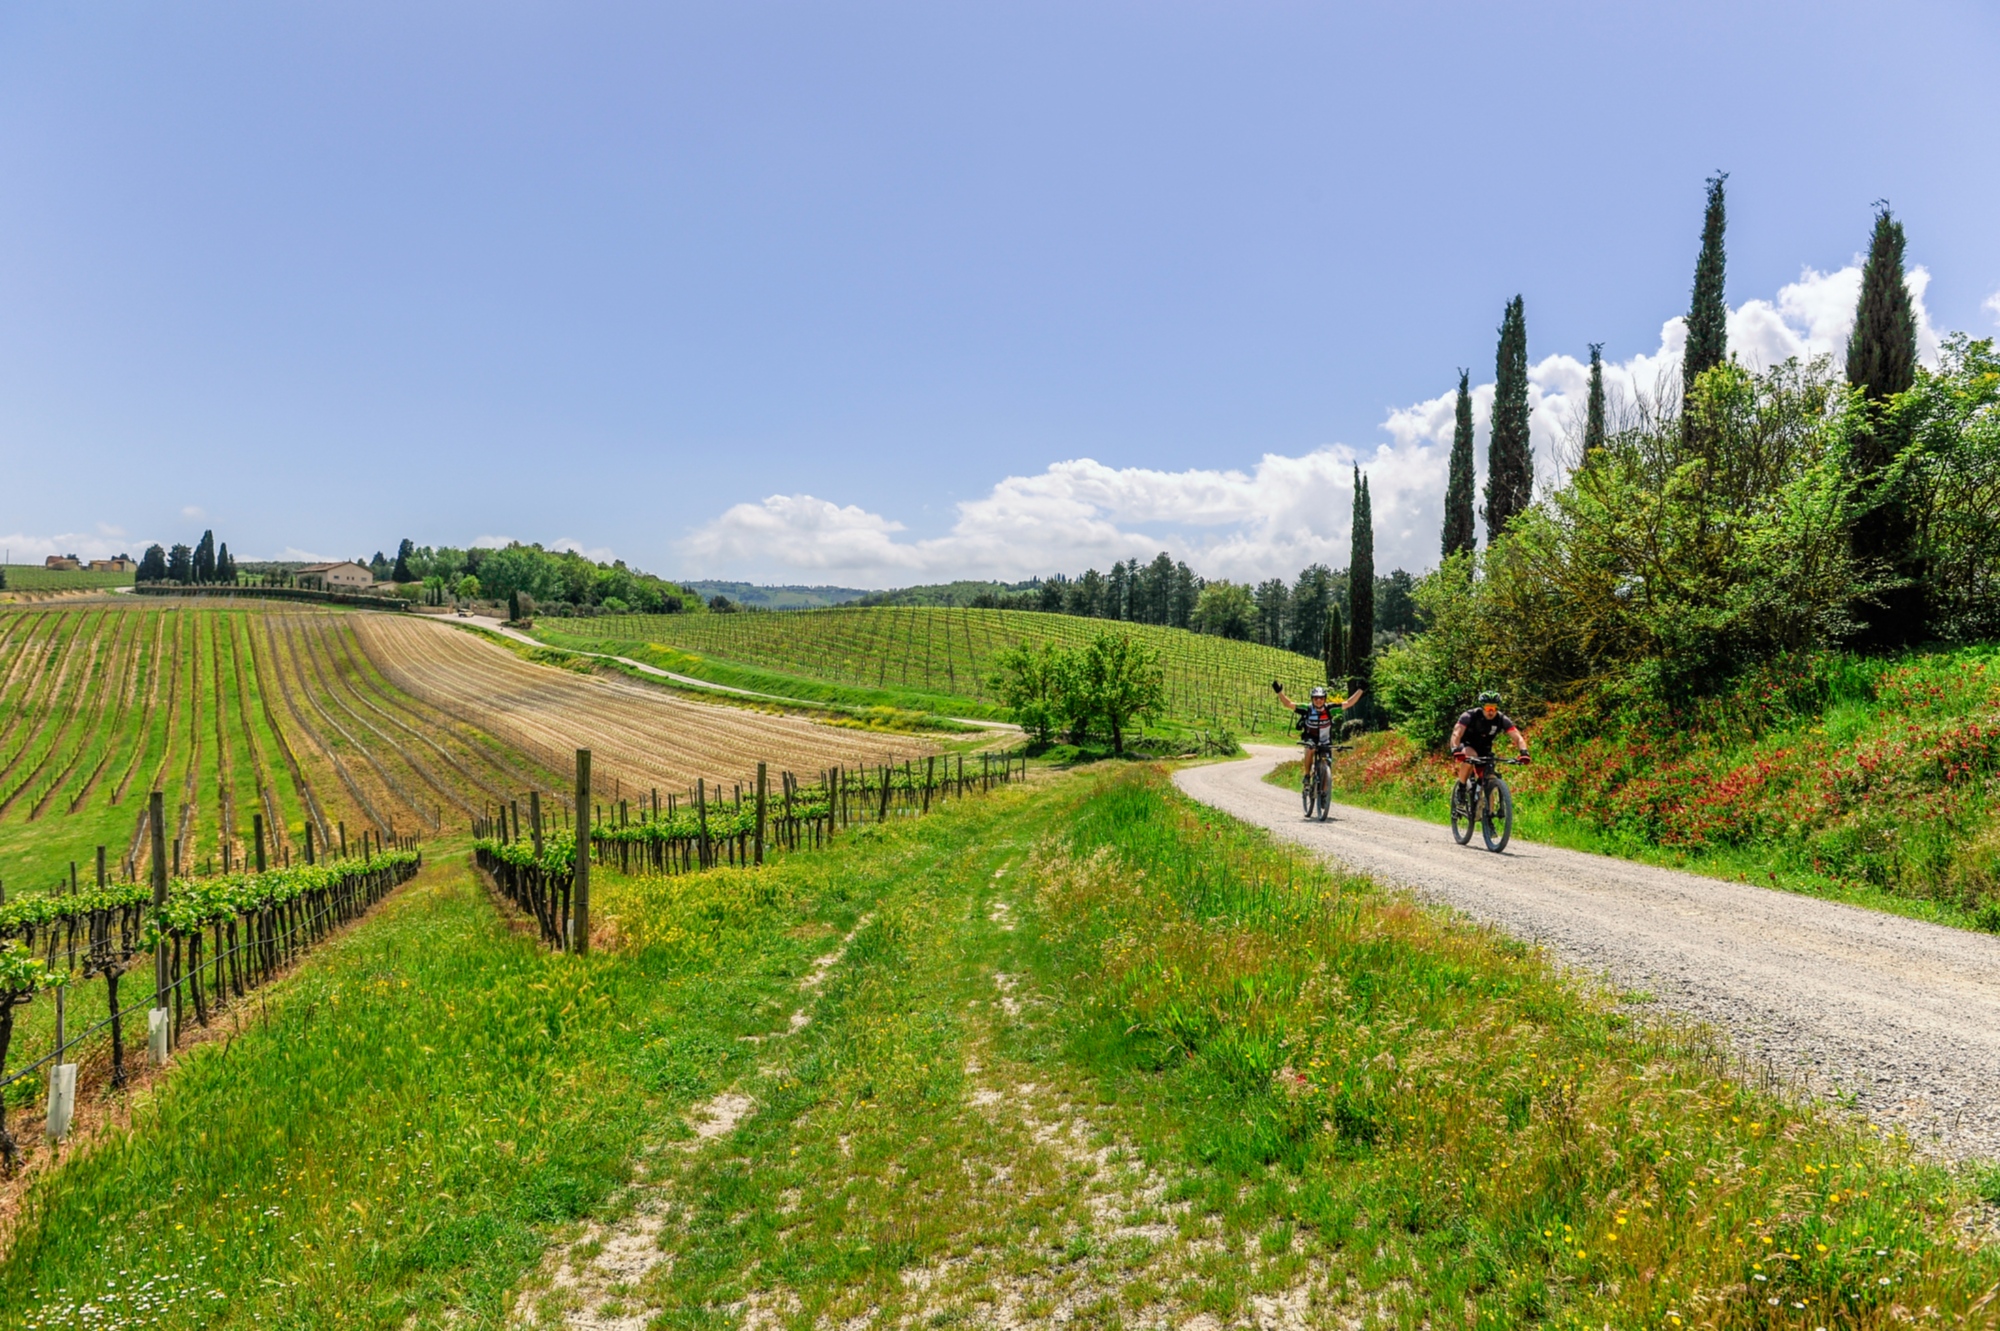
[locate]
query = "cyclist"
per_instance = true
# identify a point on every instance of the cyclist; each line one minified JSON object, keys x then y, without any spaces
{"x":1475,"y":732}
{"x":1315,"y":717}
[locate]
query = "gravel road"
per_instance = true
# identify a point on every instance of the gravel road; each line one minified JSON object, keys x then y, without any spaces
{"x":1905,"y":1016}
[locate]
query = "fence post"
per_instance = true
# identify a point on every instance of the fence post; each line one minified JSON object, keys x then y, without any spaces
{"x":701,"y":817}
{"x":159,"y":1023}
{"x":535,"y":819}
{"x":760,"y":814}
{"x":309,"y":841}
{"x":580,"y":883}
{"x":257,"y":825}
{"x":62,"y":1080}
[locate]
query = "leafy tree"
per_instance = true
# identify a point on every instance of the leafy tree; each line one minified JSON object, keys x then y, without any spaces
{"x":153,"y":565}
{"x":1120,"y":680}
{"x":1225,"y":609}
{"x":1333,"y":648}
{"x":1395,"y":603}
{"x":1049,"y":596}
{"x":1086,"y":595}
{"x":3,"y":578}
{"x":180,"y":564}
{"x":1881,"y":363}
{"x":1951,"y":418}
{"x":379,"y":566}
{"x":1361,"y":587}
{"x":401,"y":572}
{"x":468,"y":588}
{"x":1310,"y":597}
{"x":1510,"y":460}
{"x":1117,"y":592}
{"x":1708,"y":315}
{"x":1035,"y":685}
{"x":721,"y":605}
{"x":1274,"y":608}
{"x":204,"y":558}
{"x":1593,"y":415}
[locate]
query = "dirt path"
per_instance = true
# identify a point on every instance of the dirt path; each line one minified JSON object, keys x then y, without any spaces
{"x":1901,"y":1015}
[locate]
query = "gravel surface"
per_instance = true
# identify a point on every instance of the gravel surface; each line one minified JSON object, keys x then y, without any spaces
{"x":1903,"y":1016}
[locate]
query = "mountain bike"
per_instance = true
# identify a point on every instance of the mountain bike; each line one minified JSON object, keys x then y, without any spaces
{"x":1485,"y":802}
{"x":1316,"y":782}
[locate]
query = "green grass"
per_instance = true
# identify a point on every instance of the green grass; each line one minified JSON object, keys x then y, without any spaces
{"x":932,"y":659}
{"x":37,"y":578}
{"x":1092,"y":1051}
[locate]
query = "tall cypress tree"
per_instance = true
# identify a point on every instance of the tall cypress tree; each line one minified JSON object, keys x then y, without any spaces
{"x":1458,"y":508}
{"x":1882,"y":362}
{"x":1361,"y":587}
{"x":204,"y":558}
{"x":1593,"y":416}
{"x":1510,"y":461}
{"x":1708,"y":316}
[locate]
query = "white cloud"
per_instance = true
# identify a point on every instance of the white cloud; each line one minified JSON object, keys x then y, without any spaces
{"x":491,"y":542}
{"x":22,"y":548}
{"x":194,"y":511}
{"x":1284,"y":513}
{"x":1993,"y":304}
{"x":600,"y":554}
{"x":292,"y":554}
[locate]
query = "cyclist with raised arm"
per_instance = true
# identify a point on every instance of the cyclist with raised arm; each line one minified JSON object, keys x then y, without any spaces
{"x":1475,"y":732}
{"x":1316,"y":719}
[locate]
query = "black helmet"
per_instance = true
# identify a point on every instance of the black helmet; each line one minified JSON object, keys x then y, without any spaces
{"x":1489,"y":697}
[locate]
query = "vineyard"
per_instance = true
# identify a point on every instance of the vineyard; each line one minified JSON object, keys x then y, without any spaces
{"x":949,"y":653}
{"x":37,"y":578}
{"x":321,"y":724}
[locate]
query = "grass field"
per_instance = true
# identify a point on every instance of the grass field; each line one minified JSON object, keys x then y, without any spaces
{"x":1081,"y":1052}
{"x":933,"y":659}
{"x":37,"y":578}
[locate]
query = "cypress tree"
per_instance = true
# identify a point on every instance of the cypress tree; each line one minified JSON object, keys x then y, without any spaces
{"x":1593,"y":418}
{"x":225,"y":565}
{"x":1510,"y":461}
{"x":1882,"y":362}
{"x":401,"y":572}
{"x":1708,"y":316}
{"x":204,"y":558}
{"x":1361,"y":587}
{"x":1458,"y":490}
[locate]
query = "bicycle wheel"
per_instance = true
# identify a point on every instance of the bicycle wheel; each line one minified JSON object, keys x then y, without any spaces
{"x":1497,"y":817}
{"x":1325,"y":791}
{"x":1462,"y":797}
{"x":1307,"y":795}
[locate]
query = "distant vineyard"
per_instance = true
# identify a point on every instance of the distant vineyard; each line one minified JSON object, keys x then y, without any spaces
{"x":36,"y":578}
{"x":952,"y":652}
{"x":317,"y":720}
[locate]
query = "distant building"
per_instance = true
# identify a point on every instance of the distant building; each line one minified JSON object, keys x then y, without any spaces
{"x":343,"y":576}
{"x":68,"y":563}
{"x":116,"y":564}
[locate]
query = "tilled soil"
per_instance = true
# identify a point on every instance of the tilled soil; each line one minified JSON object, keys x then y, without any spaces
{"x":1902,"y":1016}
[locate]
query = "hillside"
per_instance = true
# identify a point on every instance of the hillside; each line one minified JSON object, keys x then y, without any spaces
{"x":787,"y":597}
{"x":934,"y":657}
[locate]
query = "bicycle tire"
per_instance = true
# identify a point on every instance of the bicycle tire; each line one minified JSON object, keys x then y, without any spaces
{"x":1325,"y":784}
{"x":1499,"y":810}
{"x":1462,"y":821}
{"x":1307,"y":796}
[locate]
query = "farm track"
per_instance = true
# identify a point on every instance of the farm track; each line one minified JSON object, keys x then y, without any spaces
{"x":1900,"y":1015}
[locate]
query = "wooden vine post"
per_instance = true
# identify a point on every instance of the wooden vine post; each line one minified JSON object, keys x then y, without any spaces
{"x":760,"y":814}
{"x":159,"y":1024}
{"x":580,"y":890}
{"x":535,"y":820}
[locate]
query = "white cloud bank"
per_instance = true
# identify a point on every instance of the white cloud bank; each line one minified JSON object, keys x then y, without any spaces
{"x":1272,"y":520}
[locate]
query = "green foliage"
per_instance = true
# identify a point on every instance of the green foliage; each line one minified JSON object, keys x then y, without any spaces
{"x":1950,"y":418}
{"x":1361,"y":586}
{"x":1510,"y":459}
{"x":1036,"y":685}
{"x":1459,"y":536}
{"x":1882,"y":363}
{"x":1109,"y":682}
{"x":561,"y":581}
{"x":1225,"y":609}
{"x":1593,"y":415}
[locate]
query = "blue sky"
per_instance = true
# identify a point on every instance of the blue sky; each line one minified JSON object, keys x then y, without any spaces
{"x":875,"y":293}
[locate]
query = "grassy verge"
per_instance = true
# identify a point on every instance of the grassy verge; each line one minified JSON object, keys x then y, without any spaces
{"x":1080,"y":1051}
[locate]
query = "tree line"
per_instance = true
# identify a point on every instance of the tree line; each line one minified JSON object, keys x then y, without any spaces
{"x":1735,"y":518}
{"x":202,"y":563}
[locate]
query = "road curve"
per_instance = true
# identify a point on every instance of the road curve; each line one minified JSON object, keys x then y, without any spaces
{"x":1903,"y":1015}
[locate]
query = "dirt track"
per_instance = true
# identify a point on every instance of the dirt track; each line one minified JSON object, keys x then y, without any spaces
{"x":1905,"y":1016}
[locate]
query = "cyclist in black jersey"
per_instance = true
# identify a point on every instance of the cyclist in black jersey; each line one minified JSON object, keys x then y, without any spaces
{"x":1476,"y":730}
{"x":1316,"y":717}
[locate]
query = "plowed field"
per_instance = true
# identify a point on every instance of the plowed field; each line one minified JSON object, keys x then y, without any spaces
{"x":335,"y":720}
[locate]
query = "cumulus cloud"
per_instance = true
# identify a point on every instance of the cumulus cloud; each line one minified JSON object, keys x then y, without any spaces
{"x":25,"y":548}
{"x":1283,"y":513}
{"x":195,"y":511}
{"x":1993,"y":304}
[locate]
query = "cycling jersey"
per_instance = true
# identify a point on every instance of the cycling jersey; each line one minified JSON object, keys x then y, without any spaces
{"x":1480,"y":730}
{"x":1316,"y":722}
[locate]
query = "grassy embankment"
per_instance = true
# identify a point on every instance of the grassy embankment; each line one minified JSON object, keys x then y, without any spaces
{"x":933,"y":659}
{"x":1090,"y":1048}
{"x":1863,"y":780}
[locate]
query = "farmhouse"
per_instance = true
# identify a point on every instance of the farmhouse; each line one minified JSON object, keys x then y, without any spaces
{"x":345,"y":575}
{"x":116,"y":564}
{"x":68,"y":563}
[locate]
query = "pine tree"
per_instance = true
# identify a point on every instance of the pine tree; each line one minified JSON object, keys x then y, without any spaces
{"x":1361,"y":587}
{"x":1882,"y":362}
{"x":180,"y":564}
{"x":153,"y":565}
{"x":1593,"y":418}
{"x":1510,"y":459}
{"x":1708,"y":315}
{"x":1459,"y":535}
{"x":204,"y":558}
